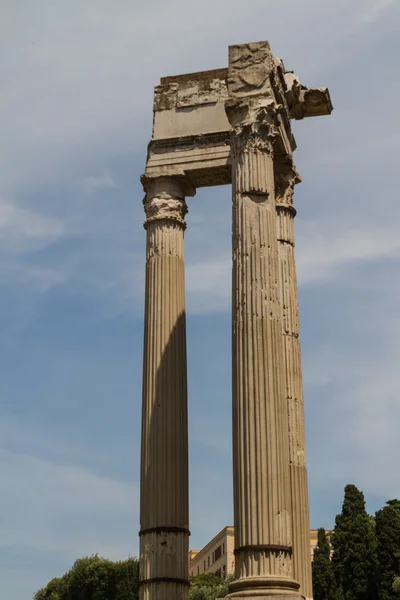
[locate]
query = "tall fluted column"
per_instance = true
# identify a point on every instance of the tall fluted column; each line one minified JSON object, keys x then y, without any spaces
{"x":285,"y":179}
{"x":263,"y":545}
{"x":164,"y":518}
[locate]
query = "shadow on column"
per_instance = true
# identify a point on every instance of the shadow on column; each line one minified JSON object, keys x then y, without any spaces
{"x":164,"y":481}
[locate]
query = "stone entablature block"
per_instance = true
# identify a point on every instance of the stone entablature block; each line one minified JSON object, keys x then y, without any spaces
{"x":191,"y":130}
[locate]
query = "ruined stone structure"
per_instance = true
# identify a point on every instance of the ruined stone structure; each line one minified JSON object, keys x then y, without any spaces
{"x":228,"y":126}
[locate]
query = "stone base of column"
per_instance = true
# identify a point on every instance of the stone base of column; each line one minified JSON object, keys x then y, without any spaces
{"x":265,"y":587}
{"x":268,"y":595}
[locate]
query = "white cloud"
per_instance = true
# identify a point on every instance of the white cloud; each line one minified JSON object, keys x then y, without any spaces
{"x":362,"y":422}
{"x":374,"y":9}
{"x":80,"y":79}
{"x":95,"y":184}
{"x":99,"y":105}
{"x":58,"y":509}
{"x":324,"y":250}
{"x":35,"y":278}
{"x":63,"y":497}
{"x":24,"y":230}
{"x":208,"y":285}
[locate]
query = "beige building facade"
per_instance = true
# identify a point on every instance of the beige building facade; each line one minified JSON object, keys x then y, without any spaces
{"x":218,"y":556}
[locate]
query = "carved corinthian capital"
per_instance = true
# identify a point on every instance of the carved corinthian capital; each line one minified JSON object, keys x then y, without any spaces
{"x":255,"y":125}
{"x":165,"y":206}
{"x":165,"y":199}
{"x":285,"y":180}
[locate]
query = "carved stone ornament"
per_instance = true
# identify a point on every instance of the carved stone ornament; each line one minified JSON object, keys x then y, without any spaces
{"x":255,"y":133}
{"x":303,"y":102}
{"x":165,"y":206}
{"x":165,"y":96}
{"x":284,"y":186}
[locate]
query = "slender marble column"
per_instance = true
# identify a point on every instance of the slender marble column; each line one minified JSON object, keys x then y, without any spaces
{"x":263,"y":546}
{"x":285,"y":179}
{"x":164,"y":462}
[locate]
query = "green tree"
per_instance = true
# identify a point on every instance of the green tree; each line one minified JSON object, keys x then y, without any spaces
{"x":396,"y":587}
{"x":354,"y":549}
{"x":95,"y":578}
{"x":208,"y":586}
{"x":388,"y":548}
{"x":324,"y":583}
{"x":56,"y":589}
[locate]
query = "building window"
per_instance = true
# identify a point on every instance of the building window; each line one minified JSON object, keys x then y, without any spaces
{"x":213,"y":557}
{"x":223,"y":548}
{"x":198,"y":570}
{"x":208,"y":560}
{"x":218,"y":553}
{"x":218,"y":573}
{"x":223,"y":571}
{"x":204,"y":565}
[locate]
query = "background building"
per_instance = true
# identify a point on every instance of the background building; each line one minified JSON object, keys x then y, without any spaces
{"x":217,"y":556}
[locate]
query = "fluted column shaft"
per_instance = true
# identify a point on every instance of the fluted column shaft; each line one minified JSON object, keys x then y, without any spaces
{"x":260,"y":446}
{"x":164,"y":458}
{"x":285,"y":179}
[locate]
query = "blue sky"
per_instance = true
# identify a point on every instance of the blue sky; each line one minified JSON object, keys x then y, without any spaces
{"x":76,"y":111}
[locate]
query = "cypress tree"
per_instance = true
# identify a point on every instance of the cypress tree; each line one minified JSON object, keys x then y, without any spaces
{"x":324,"y":583}
{"x":388,"y":548}
{"x":354,"y":549}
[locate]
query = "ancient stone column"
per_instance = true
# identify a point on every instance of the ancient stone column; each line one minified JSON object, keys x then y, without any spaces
{"x":285,"y":179}
{"x":263,"y":530}
{"x":164,"y":460}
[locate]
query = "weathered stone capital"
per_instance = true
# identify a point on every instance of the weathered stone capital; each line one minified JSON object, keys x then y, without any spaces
{"x":286,"y":177}
{"x":255,"y":125}
{"x":165,"y":206}
{"x":165,"y":199}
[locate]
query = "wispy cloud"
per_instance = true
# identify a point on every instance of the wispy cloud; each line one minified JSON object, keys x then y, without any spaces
{"x":96,"y":184}
{"x":363,"y":421}
{"x":25,"y":230}
{"x":62,"y":495}
{"x":208,"y":285}
{"x":374,"y":9}
{"x":37,"y":279}
{"x":324,"y":251}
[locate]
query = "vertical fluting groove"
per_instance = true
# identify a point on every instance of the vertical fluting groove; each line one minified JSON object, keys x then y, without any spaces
{"x":295,"y":402}
{"x":260,"y":452}
{"x":164,"y":462}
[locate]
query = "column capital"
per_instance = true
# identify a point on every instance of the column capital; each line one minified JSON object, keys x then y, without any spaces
{"x":255,"y":124}
{"x":286,"y":177}
{"x":165,"y":198}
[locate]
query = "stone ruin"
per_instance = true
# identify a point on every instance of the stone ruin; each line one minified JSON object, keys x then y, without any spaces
{"x":228,"y":126}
